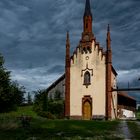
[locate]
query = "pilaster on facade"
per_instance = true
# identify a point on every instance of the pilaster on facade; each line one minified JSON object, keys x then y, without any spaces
{"x":67,"y":78}
{"x":108,"y":75}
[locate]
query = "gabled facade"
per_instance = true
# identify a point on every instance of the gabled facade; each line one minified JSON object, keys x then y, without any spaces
{"x":89,"y":76}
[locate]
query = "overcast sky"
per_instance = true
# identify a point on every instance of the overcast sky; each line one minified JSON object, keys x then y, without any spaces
{"x":33,"y":32}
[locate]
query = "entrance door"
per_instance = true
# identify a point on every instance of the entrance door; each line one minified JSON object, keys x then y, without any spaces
{"x":86,"y":110}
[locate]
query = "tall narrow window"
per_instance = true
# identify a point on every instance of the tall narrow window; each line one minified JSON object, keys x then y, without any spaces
{"x":87,"y":78}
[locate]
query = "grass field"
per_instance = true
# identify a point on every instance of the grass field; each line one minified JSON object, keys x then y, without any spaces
{"x":135,"y":129}
{"x":43,"y":129}
{"x":138,"y":114}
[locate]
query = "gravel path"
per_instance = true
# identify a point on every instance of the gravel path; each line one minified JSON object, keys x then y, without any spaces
{"x":124,"y":130}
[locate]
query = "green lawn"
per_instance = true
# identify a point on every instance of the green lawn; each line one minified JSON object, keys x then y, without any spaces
{"x":26,"y":110}
{"x":135,"y":129}
{"x":138,"y":114}
{"x":43,"y":129}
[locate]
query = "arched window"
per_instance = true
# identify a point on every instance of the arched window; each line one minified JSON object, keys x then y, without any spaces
{"x":87,"y":78}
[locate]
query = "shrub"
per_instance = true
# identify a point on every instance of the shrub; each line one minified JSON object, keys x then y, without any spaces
{"x":49,"y":108}
{"x":56,"y":108}
{"x":46,"y":114}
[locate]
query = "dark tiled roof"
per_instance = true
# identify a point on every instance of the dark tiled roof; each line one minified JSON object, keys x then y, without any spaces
{"x":56,"y":82}
{"x":114,"y":71}
{"x":125,"y":95}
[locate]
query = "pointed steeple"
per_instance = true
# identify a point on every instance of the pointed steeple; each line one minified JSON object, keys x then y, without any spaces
{"x":67,"y":50}
{"x":87,"y":18}
{"x":67,"y":40}
{"x":108,"y":28}
{"x":108,"y":39}
{"x":87,"y":9}
{"x":87,"y":35}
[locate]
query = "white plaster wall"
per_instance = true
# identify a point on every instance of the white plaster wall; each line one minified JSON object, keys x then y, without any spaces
{"x":97,"y":88}
{"x":114,"y":97}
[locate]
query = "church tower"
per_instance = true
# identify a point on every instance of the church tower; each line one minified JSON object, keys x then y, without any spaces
{"x":87,"y":35}
{"x":87,"y":20}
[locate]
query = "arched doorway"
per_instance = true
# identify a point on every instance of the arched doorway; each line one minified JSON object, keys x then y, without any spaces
{"x":87,"y":107}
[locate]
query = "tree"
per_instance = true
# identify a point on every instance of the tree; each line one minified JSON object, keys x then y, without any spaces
{"x":29,"y":99}
{"x":11,"y":94}
{"x":4,"y":77}
{"x":49,"y":107}
{"x":17,"y":93}
{"x":5,"y":95}
{"x":40,"y":101}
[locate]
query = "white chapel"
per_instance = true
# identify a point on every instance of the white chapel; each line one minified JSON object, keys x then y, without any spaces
{"x":89,"y":79}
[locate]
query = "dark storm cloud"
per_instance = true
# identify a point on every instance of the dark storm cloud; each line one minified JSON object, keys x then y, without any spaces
{"x":33,"y":32}
{"x":57,"y":69}
{"x":124,"y":19}
{"x":35,"y":78}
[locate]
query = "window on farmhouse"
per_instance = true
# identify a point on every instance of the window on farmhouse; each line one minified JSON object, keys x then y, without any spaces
{"x":87,"y":78}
